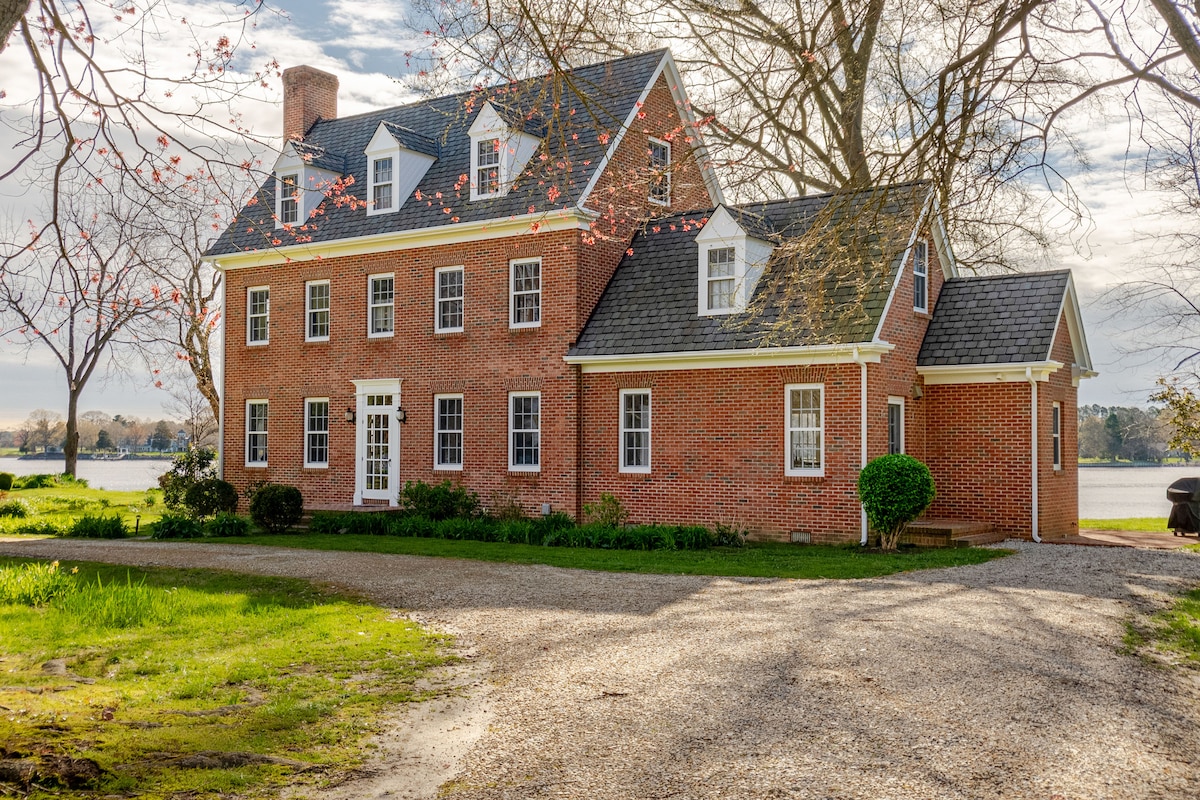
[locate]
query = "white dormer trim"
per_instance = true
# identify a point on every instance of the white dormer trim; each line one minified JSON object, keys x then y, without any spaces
{"x":408,"y":167}
{"x":749,"y":258}
{"x":311,"y":182}
{"x":513,"y":149}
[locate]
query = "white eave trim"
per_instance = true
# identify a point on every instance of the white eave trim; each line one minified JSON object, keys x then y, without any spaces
{"x":540,"y":222}
{"x":729,"y":359}
{"x":1069,"y":308}
{"x":989,"y":373}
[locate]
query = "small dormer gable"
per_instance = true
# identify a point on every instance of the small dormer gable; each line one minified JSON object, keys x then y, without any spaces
{"x":734,"y":248}
{"x":303,"y":174}
{"x":501,"y":146}
{"x":397,"y":160}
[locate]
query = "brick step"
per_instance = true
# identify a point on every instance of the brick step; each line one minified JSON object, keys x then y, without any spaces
{"x":950,"y":533}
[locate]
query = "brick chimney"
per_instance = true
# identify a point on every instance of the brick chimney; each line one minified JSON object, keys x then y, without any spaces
{"x":308,"y":93}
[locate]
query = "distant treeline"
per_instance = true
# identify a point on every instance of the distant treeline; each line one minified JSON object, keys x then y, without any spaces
{"x":1123,"y":433}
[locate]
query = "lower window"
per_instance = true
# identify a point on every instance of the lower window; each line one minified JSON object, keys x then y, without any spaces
{"x":895,"y":425}
{"x":316,"y":432}
{"x":524,"y":431}
{"x":448,"y":431}
{"x":256,"y":433}
{"x":805,"y":429}
{"x":635,"y":430}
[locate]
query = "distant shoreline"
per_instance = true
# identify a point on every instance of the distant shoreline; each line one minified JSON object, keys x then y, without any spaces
{"x":1138,"y":464}
{"x":90,"y":457}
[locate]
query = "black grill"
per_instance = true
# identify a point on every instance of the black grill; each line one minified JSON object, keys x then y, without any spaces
{"x":1184,"y":495}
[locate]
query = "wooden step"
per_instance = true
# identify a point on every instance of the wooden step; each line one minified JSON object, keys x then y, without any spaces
{"x":950,"y":533}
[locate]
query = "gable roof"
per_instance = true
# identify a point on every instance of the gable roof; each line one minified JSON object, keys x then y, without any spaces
{"x":651,"y":303}
{"x":580,"y":116}
{"x":1001,"y":319}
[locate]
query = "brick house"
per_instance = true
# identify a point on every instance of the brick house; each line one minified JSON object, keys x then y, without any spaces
{"x":539,"y":291}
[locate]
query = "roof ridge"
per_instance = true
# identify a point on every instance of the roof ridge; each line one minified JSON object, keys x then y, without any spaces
{"x":1010,"y":275}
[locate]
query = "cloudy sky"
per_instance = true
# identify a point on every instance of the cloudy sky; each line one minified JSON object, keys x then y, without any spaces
{"x":362,"y":41}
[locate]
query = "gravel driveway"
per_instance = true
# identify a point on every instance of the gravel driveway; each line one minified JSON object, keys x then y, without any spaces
{"x":998,"y":680}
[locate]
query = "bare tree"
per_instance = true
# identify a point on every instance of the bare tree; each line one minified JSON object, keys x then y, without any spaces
{"x":42,"y":429}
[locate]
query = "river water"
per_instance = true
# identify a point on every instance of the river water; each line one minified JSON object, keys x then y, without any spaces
{"x":1104,"y":492}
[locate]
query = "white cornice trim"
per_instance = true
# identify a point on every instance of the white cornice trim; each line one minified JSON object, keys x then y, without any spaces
{"x":728,"y":359}
{"x":989,"y":373}
{"x":525,"y":224}
{"x":1069,"y":308}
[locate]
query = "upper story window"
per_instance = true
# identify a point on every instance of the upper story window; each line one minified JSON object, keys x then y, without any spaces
{"x":805,"y":430}
{"x":721,"y":279}
{"x":381,"y":303}
{"x":258,"y":315}
{"x":288,"y":190}
{"x":316,"y":432}
{"x":448,"y":315}
{"x":660,"y":172}
{"x":381,"y":185}
{"x":525,"y":293}
{"x":487,"y":167}
{"x":316,"y":311}
{"x":256,"y":433}
{"x":920,"y":276}
{"x":635,"y":430}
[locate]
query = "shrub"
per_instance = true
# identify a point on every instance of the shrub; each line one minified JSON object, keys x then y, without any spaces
{"x":36,"y":482}
{"x":99,"y":527}
{"x":14,"y":508}
{"x":149,"y":500}
{"x":556,"y":521}
{"x":277,"y":507}
{"x":41,"y":529}
{"x":188,"y":468}
{"x":227,"y":524}
{"x":608,"y":512}
{"x":6,"y":481}
{"x":35,"y":583}
{"x":446,"y":500}
{"x":67,"y":479}
{"x":176,"y":526}
{"x":697,"y":537}
{"x":729,"y":535}
{"x":355,"y":523}
{"x":506,"y":506}
{"x":211,"y":496}
{"x":894,"y":490}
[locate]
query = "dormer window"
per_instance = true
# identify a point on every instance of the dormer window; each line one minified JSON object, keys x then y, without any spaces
{"x":721,"y":278}
{"x":733,"y":249}
{"x":487,"y":167}
{"x":381,"y":184}
{"x":289,"y":202}
{"x":660,"y":172}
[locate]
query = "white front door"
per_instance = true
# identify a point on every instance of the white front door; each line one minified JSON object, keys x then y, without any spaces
{"x":378,"y":442}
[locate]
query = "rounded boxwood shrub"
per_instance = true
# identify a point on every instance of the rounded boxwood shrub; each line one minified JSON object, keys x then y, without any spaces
{"x":227,"y":524}
{"x":211,"y":496}
{"x":277,"y":507}
{"x":176,"y":526}
{"x":894,"y":490}
{"x":6,"y":481}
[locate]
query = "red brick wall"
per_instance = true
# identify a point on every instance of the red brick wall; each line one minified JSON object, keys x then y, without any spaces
{"x":1058,"y":490}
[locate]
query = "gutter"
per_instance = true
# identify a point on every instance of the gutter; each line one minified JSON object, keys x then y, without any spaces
{"x":1033,"y":447}
{"x":862,"y":436}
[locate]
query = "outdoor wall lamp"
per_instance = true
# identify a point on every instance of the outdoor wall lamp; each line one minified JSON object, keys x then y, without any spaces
{"x":401,"y":415}
{"x":351,"y":417}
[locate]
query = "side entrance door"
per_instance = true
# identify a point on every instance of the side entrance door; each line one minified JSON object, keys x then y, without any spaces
{"x":377,"y":441}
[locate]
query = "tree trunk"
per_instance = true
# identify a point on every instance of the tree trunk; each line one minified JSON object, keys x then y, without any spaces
{"x":11,"y":12}
{"x":71,"y":446}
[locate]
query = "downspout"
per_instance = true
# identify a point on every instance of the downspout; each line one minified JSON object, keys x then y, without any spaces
{"x":1033,"y":446}
{"x":862,"y":435}
{"x":221,"y":392}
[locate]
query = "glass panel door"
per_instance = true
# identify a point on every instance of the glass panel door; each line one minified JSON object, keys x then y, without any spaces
{"x":378,"y":442}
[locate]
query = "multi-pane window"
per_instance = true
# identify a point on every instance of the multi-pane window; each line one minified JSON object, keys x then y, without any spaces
{"x":381,"y":184}
{"x":526,"y":294}
{"x":316,"y":432}
{"x":660,"y":171}
{"x":256,"y":433}
{"x":487,"y":167}
{"x":289,"y":199}
{"x":720,"y":278}
{"x":524,"y":430}
{"x":920,"y":276}
{"x":316,"y":311}
{"x":895,"y":425}
{"x":1056,"y":433}
{"x":258,"y":314}
{"x":381,"y":302}
{"x":448,"y":431}
{"x":449,"y":312}
{"x":635,"y":430}
{"x":804,"y":430}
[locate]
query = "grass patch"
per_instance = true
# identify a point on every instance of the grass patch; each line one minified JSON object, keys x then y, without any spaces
{"x":760,"y":560}
{"x":1176,"y":632}
{"x":164,"y":664}
{"x":1152,"y":524}
{"x":54,"y":510}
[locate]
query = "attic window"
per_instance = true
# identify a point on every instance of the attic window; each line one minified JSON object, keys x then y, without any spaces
{"x":381,"y":184}
{"x":720,"y":279}
{"x":660,"y":172}
{"x":920,"y":276}
{"x":289,"y":204}
{"x":487,"y":167}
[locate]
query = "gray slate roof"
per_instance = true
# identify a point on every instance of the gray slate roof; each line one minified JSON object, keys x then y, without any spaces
{"x":1004,"y":319}
{"x":592,"y":101}
{"x":650,"y":305}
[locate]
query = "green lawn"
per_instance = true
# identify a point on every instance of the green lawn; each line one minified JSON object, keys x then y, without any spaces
{"x":56,"y":508}
{"x":164,"y":664}
{"x":754,"y":560}
{"x":1158,"y":524}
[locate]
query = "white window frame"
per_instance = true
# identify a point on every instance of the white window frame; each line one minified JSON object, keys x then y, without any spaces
{"x":438,"y":464}
{"x":807,"y":472}
{"x":513,"y":431}
{"x":660,"y":174}
{"x":438,"y":299}
{"x":920,"y":269}
{"x":625,"y":466}
{"x":896,"y":402}
{"x":709,"y":279}
{"x":310,"y":432}
{"x":371,"y":305}
{"x":1056,"y":435}
{"x":391,"y":183}
{"x":309,"y":311}
{"x":263,"y":433}
{"x":282,"y":200}
{"x":512,"y":293}
{"x":476,"y":167}
{"x":251,"y":316}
